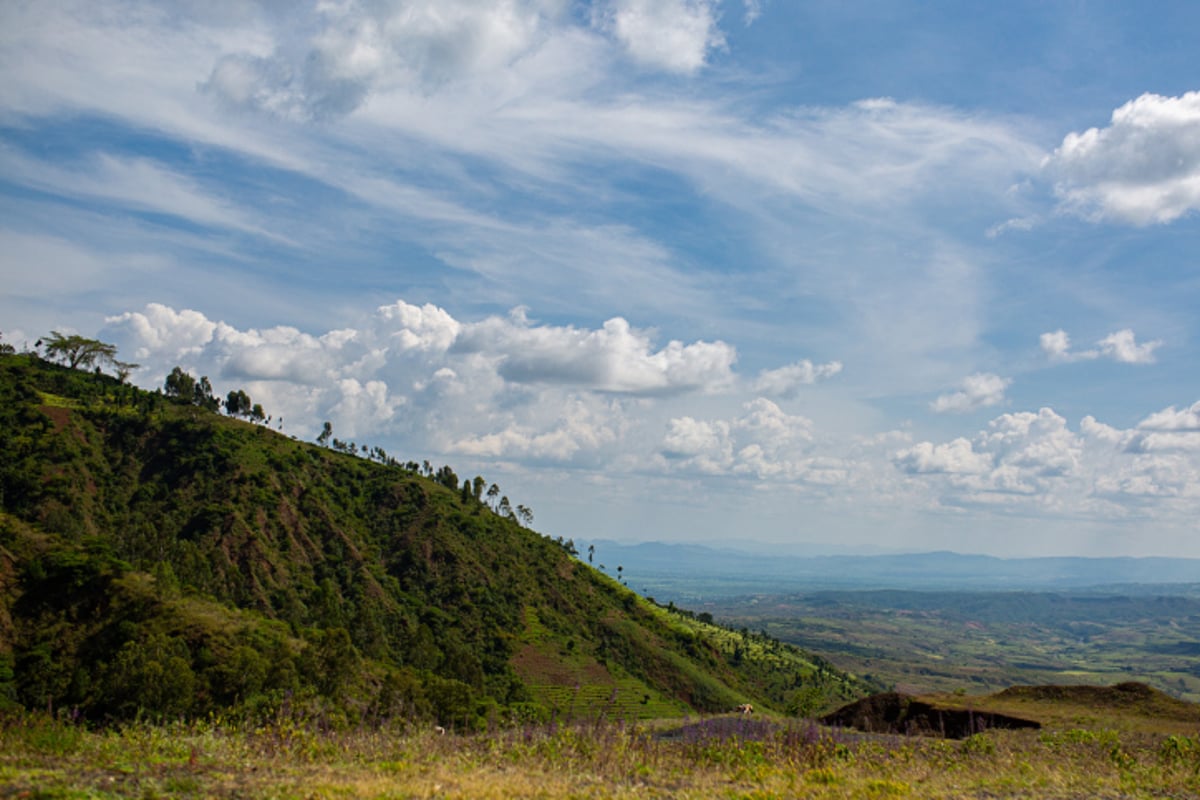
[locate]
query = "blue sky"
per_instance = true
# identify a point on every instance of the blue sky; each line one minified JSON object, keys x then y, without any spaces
{"x":853,"y":276}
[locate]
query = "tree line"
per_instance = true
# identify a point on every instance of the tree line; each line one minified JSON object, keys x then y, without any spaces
{"x":80,"y":352}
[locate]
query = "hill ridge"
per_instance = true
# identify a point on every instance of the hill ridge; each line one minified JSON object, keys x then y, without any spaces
{"x":162,"y":558}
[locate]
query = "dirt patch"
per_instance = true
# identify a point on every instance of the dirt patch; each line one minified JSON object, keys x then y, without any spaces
{"x":535,"y":665}
{"x":891,"y":712}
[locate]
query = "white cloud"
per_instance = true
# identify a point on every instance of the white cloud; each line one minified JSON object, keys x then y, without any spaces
{"x":688,"y":437}
{"x":978,"y":391}
{"x":762,"y":442}
{"x":1120,"y":346}
{"x":361,"y":48}
{"x":616,"y":358}
{"x":1056,"y":344}
{"x":165,"y":334}
{"x":787,"y":381}
{"x":1168,"y":430}
{"x":1144,"y":168}
{"x":1123,"y":348}
{"x":956,"y":457}
{"x":673,"y":35}
{"x":1033,"y":463}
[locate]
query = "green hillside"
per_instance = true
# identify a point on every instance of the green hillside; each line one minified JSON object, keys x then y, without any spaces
{"x":160,"y":558}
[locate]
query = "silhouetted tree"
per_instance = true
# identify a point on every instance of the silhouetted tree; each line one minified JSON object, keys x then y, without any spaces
{"x":237,"y":403}
{"x":78,"y":351}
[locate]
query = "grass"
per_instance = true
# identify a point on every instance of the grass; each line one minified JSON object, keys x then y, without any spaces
{"x":723,"y":757}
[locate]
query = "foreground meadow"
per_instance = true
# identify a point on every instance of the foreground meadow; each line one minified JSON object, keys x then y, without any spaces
{"x":722,"y":757}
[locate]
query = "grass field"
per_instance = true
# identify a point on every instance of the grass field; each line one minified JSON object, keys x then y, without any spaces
{"x":724,"y":757}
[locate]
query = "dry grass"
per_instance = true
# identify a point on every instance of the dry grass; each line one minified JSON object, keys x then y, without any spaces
{"x":720,"y":757}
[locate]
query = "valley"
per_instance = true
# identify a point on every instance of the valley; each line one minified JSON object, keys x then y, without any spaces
{"x":977,"y":642}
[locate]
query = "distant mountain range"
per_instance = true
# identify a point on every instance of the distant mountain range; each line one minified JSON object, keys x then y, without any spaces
{"x":688,"y":571}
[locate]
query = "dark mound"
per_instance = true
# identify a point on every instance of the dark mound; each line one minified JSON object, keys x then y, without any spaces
{"x":891,"y":712}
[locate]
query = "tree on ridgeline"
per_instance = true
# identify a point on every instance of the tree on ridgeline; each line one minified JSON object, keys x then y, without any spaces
{"x":79,"y":352}
{"x":123,"y":369}
{"x":180,"y":385}
{"x":326,"y":433}
{"x":237,"y":404}
{"x":203,"y":396}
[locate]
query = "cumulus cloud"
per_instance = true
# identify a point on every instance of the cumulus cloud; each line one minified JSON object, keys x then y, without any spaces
{"x":1123,"y":348}
{"x":673,"y":35}
{"x":361,"y":47}
{"x":355,"y":49}
{"x":616,"y":358}
{"x":1120,"y":346}
{"x":1034,"y":462}
{"x":762,"y":442}
{"x":1056,"y":344}
{"x":1168,"y":430}
{"x":978,"y":391}
{"x":787,"y":381}
{"x":1144,"y":168}
{"x":957,"y":457}
{"x":500,"y":387}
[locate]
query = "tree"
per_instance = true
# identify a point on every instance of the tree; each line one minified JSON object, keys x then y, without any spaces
{"x":180,"y":384}
{"x":257,"y":414}
{"x":237,"y":403}
{"x":123,"y":368}
{"x":203,"y":396}
{"x":591,"y":553}
{"x":78,"y":351}
{"x":325,"y":434}
{"x":492,"y":493}
{"x":524,"y":514}
{"x":6,"y":348}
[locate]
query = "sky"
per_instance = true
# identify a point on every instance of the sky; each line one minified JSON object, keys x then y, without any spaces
{"x":804,"y":276}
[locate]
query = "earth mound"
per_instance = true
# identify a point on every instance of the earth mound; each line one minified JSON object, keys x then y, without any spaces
{"x":892,"y":712}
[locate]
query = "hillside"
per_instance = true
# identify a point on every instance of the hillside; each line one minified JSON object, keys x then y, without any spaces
{"x":158,"y":557}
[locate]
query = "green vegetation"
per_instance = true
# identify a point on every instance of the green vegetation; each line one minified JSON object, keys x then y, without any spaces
{"x":983,"y":641}
{"x":725,"y":757}
{"x":160,"y":560}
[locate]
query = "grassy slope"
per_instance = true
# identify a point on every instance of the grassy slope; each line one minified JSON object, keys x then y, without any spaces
{"x":141,"y":539}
